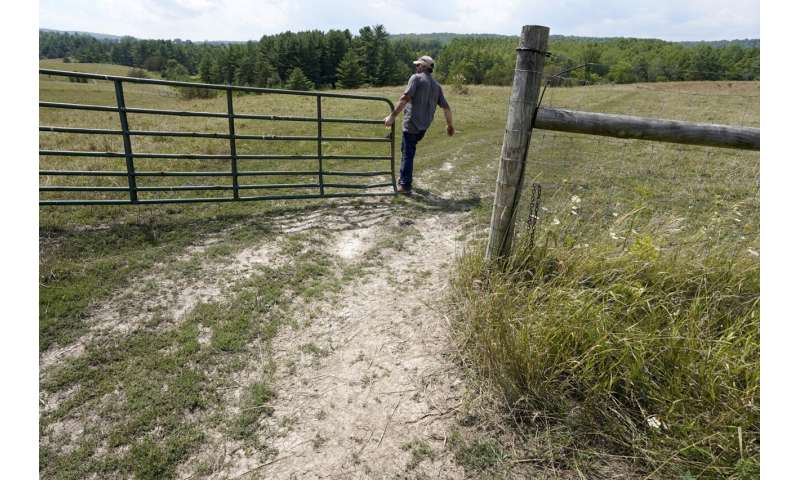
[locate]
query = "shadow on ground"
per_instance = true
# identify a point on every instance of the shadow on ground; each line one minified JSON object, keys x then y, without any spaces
{"x":435,"y":202}
{"x":156,"y":227}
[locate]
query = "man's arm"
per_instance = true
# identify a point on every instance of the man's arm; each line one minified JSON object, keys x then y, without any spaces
{"x":401,"y":104}
{"x":448,"y":115}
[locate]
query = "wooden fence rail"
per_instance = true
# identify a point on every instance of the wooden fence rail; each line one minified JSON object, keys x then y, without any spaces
{"x":625,"y":126}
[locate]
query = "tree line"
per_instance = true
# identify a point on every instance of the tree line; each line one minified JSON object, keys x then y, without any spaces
{"x":302,"y":60}
{"x":617,"y":60}
{"x":340,"y":59}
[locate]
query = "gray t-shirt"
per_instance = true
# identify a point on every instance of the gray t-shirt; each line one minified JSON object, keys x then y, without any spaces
{"x":425,"y":93}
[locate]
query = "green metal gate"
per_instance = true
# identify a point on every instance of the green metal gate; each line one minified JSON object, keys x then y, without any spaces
{"x":236,"y":173}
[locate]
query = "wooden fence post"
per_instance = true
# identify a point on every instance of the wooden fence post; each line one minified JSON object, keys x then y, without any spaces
{"x":528,"y":75}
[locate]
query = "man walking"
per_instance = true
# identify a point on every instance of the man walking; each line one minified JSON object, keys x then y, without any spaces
{"x":418,"y":104}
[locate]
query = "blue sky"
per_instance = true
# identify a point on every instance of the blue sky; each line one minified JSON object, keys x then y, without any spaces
{"x":249,"y":19}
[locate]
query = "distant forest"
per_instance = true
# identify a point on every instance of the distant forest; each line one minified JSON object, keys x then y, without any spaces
{"x":340,"y":59}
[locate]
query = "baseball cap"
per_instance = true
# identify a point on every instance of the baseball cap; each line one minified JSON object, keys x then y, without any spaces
{"x":424,"y":60}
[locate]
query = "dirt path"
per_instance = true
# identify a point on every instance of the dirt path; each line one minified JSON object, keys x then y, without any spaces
{"x":364,"y":380}
{"x":366,"y":388}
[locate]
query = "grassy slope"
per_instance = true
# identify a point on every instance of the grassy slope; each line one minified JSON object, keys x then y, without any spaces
{"x":699,"y":196}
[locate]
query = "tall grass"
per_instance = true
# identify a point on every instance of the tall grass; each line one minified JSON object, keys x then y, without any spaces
{"x":650,"y":353}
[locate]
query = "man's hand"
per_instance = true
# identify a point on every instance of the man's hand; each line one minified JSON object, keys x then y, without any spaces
{"x":448,"y":116}
{"x":388,"y":121}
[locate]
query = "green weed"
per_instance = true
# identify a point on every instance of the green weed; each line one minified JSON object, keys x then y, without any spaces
{"x":477,"y":455}
{"x":253,"y":406}
{"x":419,"y":450}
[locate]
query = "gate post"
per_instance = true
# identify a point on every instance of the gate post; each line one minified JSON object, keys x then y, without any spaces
{"x":528,"y":75}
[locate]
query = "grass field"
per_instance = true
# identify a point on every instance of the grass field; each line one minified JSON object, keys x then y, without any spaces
{"x":643,"y":253}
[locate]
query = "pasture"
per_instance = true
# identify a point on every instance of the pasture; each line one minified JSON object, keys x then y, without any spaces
{"x":163,"y":328}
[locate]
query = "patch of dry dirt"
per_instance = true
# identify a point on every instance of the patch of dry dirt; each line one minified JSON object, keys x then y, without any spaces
{"x":168,"y":294}
{"x":366,"y":376}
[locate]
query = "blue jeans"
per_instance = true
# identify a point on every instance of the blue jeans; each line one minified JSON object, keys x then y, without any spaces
{"x":408,"y":148}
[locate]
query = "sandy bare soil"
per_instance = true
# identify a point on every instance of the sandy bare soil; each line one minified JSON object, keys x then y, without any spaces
{"x":378,"y":379}
{"x":365,"y":380}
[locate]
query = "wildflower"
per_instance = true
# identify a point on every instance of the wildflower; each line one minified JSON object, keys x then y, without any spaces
{"x":555,"y":221}
{"x":653,"y":422}
{"x":575,"y":199}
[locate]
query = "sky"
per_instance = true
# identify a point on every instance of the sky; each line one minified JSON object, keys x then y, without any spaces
{"x":197,"y":20}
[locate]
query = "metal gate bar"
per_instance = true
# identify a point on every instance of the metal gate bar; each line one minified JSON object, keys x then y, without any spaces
{"x":234,"y":157}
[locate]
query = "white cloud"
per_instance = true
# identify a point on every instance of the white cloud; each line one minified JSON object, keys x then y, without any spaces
{"x":195,"y":5}
{"x":249,"y":19}
{"x":672,"y":20}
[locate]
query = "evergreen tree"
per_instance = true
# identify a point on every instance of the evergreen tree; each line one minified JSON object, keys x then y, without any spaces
{"x":337,"y":44}
{"x":266,"y":75}
{"x":364,"y":46}
{"x":384,"y":57}
{"x":387,"y":65}
{"x":402,"y":70}
{"x":175,"y":71}
{"x":226,"y":65}
{"x":310,"y":50}
{"x":246,"y":72}
{"x":121,"y":52}
{"x":266,"y":72}
{"x":349,"y":73}
{"x":206,"y":69}
{"x":298,"y":80}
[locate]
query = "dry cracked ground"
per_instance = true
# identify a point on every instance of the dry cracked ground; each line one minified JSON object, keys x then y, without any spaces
{"x":359,"y":378}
